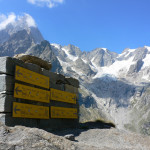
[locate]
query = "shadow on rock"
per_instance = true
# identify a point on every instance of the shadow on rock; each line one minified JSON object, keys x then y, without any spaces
{"x":84,"y":127}
{"x":96,"y":125}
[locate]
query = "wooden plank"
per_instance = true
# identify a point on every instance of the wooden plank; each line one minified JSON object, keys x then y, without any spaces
{"x":31,"y":93}
{"x":30,"y":111}
{"x":61,"y":112}
{"x":62,"y":96}
{"x":31,"y":77}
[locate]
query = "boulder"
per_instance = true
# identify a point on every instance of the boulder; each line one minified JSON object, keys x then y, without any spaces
{"x":70,"y":137}
{"x":34,"y":60}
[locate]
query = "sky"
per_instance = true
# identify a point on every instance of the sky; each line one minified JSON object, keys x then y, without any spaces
{"x":88,"y":24}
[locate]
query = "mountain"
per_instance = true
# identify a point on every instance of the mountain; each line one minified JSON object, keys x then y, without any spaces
{"x":23,"y":36}
{"x":25,"y":22}
{"x":113,"y":87}
{"x":43,"y":50}
{"x":19,"y":35}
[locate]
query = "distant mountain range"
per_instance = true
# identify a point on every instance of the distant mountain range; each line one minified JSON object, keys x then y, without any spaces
{"x":114,"y":87}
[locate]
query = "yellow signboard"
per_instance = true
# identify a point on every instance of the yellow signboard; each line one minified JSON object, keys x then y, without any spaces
{"x":63,"y":96}
{"x":31,"y":93}
{"x":30,"y":111}
{"x":61,"y":112}
{"x":31,"y":77}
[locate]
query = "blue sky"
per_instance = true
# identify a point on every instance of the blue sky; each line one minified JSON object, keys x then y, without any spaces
{"x":88,"y":24}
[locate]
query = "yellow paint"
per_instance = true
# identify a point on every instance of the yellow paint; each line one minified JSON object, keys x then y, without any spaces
{"x":30,"y":111}
{"x":31,"y":77}
{"x":61,"y":112}
{"x":63,"y":96}
{"x":31,"y":93}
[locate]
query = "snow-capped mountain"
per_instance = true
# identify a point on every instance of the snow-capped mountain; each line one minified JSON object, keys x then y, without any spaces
{"x":113,"y":87}
{"x":118,"y":84}
{"x":17,"y":34}
{"x":10,"y":26}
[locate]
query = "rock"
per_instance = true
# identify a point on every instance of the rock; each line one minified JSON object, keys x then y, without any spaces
{"x":34,"y":60}
{"x":43,"y":51}
{"x":102,"y":56}
{"x":83,"y":67}
{"x":136,"y":67}
{"x":113,"y":139}
{"x":140,"y":53}
{"x":24,"y":138}
{"x":72,"y":89}
{"x":6,"y":102}
{"x":6,"y":83}
{"x":70,"y":137}
{"x":72,"y":81}
{"x":8,"y":65}
{"x":17,"y":43}
{"x":20,"y":137}
{"x":8,"y":120}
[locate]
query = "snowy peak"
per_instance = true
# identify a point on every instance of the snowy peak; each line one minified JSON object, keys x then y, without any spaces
{"x":19,"y":22}
{"x":58,"y":46}
{"x":12,"y":24}
{"x":100,"y":62}
{"x":126,"y":53}
{"x":72,"y":50}
{"x":102,"y":57}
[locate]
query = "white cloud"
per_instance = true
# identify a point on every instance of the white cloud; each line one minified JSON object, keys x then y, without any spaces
{"x":30,"y":21}
{"x":48,"y":3}
{"x":25,"y":19}
{"x":5,"y":20}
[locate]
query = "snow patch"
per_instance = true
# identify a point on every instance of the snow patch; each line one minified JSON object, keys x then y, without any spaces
{"x":147,"y":47}
{"x":63,"y":64}
{"x":71,"y":57}
{"x":85,"y":61}
{"x":126,"y":53}
{"x":146,"y":77}
{"x":129,"y":52}
{"x":146,"y":61}
{"x":114,"y":68}
{"x":105,"y":49}
{"x":56,"y":45}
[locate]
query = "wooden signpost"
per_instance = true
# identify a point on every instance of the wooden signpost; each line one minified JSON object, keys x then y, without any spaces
{"x":31,"y":93}
{"x":61,"y":112}
{"x":30,"y":111}
{"x":62,"y":96}
{"x":31,"y":77}
{"x":36,"y":94}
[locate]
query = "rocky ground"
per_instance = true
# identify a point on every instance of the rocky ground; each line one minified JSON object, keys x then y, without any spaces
{"x":88,"y":136}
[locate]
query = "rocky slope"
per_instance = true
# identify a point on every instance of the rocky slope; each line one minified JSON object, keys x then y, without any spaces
{"x":43,"y":50}
{"x":24,"y":138}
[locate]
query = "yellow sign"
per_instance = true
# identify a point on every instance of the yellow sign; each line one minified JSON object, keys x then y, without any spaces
{"x":63,"y":96}
{"x":61,"y":112}
{"x":31,"y":93}
{"x":31,"y":77}
{"x":30,"y":111}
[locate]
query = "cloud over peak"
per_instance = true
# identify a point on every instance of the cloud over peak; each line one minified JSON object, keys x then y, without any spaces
{"x":24,"y":20}
{"x":5,"y":20}
{"x":47,"y":3}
